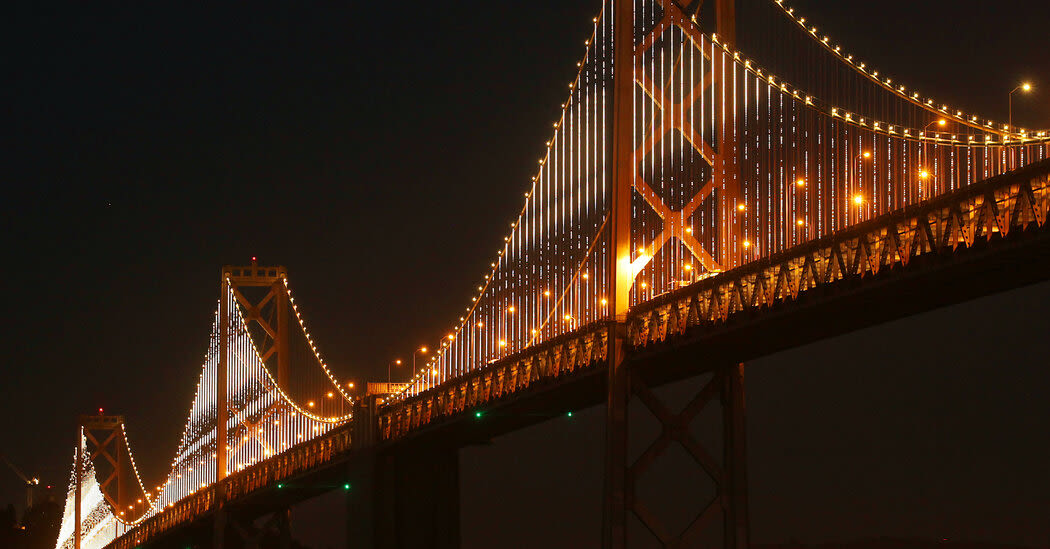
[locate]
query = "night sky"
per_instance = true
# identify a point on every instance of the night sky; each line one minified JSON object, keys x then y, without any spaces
{"x":379,"y":150}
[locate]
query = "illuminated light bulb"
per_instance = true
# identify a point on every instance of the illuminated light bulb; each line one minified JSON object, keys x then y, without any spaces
{"x":502,"y":343}
{"x":687,"y":267}
{"x":747,"y":243}
{"x":310,"y":404}
{"x":568,"y":317}
{"x":942,"y":122}
{"x":605,"y":301}
{"x":584,"y":276}
{"x":534,"y":332}
{"x":866,"y":154}
{"x":398,"y":362}
{"x":800,"y":222}
{"x":433,"y":371}
{"x":546,"y":293}
{"x":645,"y":285}
{"x":330,"y":395}
{"x":741,"y":207}
{"x":481,"y":324}
{"x":1026,"y":86}
{"x":858,"y":199}
{"x":923,"y":174}
{"x":350,"y":384}
{"x":688,"y":230}
{"x":510,"y":309}
{"x":801,"y":182}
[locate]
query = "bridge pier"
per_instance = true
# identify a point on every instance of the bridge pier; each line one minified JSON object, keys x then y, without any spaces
{"x":729,"y":475}
{"x":403,"y":499}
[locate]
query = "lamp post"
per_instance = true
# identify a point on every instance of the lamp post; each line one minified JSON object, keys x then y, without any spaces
{"x":924,"y":172}
{"x":422,"y":350}
{"x":388,"y":365}
{"x":1025,"y":87}
{"x":858,"y":196}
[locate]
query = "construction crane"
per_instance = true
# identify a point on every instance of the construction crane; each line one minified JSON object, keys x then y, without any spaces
{"x":30,"y":482}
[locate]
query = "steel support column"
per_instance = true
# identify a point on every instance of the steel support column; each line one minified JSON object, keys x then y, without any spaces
{"x":620,"y":272}
{"x":737,"y":525}
{"x":222,"y":407}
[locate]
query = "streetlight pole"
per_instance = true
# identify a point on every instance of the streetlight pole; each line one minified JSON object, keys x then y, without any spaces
{"x":858,"y":196}
{"x":1025,"y":87}
{"x":414,"y":353}
{"x":388,"y":365}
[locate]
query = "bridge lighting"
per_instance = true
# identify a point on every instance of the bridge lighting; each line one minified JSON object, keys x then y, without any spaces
{"x":350,"y":385}
{"x":346,"y":486}
{"x":801,"y":182}
{"x":1026,"y":87}
{"x":330,"y":394}
{"x":942,"y":122}
{"x":534,"y":331}
{"x":546,"y":293}
{"x":584,"y":275}
{"x":741,"y":207}
{"x":923,"y":174}
{"x":688,"y":230}
{"x":279,"y":486}
{"x":310,"y":404}
{"x":645,"y":285}
{"x":568,"y":318}
{"x":502,"y":343}
{"x":747,"y":243}
{"x":478,"y":414}
{"x":858,"y":199}
{"x":866,"y":154}
{"x":434,"y":371}
{"x":800,"y":222}
{"x":510,"y":309}
{"x":451,"y":337}
{"x":604,"y":302}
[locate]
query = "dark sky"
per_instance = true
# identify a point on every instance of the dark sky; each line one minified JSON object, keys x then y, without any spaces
{"x":378,"y":150}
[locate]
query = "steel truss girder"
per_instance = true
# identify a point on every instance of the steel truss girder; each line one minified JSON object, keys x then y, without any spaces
{"x":981,"y":214}
{"x":560,"y":357}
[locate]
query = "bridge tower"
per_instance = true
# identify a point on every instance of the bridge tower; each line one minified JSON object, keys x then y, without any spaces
{"x":99,"y":436}
{"x":275,"y":300}
{"x":727,"y":382}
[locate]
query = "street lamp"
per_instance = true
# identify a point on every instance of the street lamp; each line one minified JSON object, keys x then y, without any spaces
{"x":388,"y":364}
{"x":1025,"y":87}
{"x":414,"y":353}
{"x":858,"y":198}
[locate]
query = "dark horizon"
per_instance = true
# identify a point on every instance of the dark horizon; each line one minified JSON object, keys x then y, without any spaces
{"x":378,"y":153}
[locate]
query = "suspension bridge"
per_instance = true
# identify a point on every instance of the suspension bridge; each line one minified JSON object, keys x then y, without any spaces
{"x":705,"y":199}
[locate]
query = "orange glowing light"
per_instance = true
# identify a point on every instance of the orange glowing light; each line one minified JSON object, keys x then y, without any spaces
{"x":867,"y":154}
{"x":747,"y":243}
{"x":858,"y":199}
{"x":801,"y":182}
{"x":741,"y":207}
{"x":310,"y":404}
